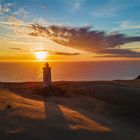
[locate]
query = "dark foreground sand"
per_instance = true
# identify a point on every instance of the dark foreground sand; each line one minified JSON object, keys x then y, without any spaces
{"x":88,"y":111}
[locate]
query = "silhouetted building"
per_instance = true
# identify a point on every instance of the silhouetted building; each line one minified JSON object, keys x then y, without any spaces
{"x":138,"y":77}
{"x":47,"y":75}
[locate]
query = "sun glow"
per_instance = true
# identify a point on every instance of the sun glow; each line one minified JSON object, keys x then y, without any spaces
{"x":41,"y":55}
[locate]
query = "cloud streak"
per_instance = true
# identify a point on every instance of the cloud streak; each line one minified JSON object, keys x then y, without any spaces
{"x":108,"y":10}
{"x":120,"y":53}
{"x":85,"y":38}
{"x":52,"y":52}
{"x":75,"y":5}
{"x":129,"y":25}
{"x":18,"y":49}
{"x":64,"y":53}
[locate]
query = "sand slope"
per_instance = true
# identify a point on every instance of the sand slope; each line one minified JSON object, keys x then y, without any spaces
{"x":70,"y":117}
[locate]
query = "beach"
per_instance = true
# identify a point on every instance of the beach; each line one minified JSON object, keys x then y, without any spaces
{"x":85,"y":111}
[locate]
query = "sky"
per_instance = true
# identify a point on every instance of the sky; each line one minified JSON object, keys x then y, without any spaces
{"x":70,"y":29}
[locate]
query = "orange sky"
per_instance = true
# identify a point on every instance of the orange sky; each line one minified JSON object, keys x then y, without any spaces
{"x":19,"y":42}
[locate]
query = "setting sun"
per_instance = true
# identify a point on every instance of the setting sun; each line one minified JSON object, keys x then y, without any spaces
{"x":41,"y":55}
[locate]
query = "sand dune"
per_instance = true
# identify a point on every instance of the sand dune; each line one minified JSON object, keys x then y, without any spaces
{"x":87,"y":111}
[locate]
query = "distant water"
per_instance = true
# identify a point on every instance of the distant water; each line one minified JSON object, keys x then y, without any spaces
{"x":32,"y":71}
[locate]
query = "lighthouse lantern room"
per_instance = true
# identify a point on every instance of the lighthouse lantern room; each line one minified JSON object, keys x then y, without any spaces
{"x":47,"y":75}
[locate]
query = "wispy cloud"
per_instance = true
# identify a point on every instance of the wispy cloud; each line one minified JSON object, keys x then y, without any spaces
{"x":6,"y":7}
{"x":21,"y":12}
{"x":41,"y":21}
{"x":105,"y":12}
{"x":43,"y":5}
{"x":129,"y":25}
{"x":75,"y":5}
{"x":65,"y":53}
{"x":110,"y":9}
{"x":15,"y":28}
{"x":120,"y":53}
{"x":12,"y":23}
{"x":18,"y":49}
{"x":52,"y":52}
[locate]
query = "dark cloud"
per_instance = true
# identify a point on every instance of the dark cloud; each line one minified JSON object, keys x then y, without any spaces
{"x":57,"y":53}
{"x":85,"y":38}
{"x":64,"y":53}
{"x":43,"y":5}
{"x":119,"y":53}
{"x":18,"y":49}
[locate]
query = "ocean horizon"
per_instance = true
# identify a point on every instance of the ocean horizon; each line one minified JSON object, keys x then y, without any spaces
{"x":31,"y":71}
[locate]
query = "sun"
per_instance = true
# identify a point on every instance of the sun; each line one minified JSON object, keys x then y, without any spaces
{"x":41,"y":55}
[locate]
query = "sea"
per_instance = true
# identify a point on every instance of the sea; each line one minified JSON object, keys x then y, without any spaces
{"x":31,"y":71}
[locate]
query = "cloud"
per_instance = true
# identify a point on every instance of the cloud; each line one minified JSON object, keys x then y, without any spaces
{"x":129,"y":25}
{"x":119,"y":53}
{"x":85,"y":38}
{"x":52,"y":52}
{"x":43,"y":5}
{"x":75,"y":4}
{"x":11,"y":23}
{"x":6,"y":7}
{"x":21,"y":12}
{"x":64,"y":53}
{"x":14,"y":28}
{"x":41,"y":21}
{"x":18,"y":49}
{"x":105,"y":12}
{"x":111,"y":9}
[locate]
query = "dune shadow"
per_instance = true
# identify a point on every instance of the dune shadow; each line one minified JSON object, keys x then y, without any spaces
{"x":109,"y":129}
{"x":57,"y":120}
{"x":55,"y":116}
{"x":25,"y":93}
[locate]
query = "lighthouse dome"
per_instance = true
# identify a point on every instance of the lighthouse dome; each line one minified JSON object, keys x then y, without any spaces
{"x":47,"y":65}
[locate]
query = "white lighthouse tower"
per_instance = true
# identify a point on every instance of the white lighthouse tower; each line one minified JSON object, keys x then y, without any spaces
{"x":47,"y":75}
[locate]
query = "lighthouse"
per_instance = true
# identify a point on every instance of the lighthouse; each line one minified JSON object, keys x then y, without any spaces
{"x":47,"y":75}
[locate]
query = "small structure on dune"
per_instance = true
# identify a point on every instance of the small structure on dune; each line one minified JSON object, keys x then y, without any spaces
{"x":138,"y":78}
{"x":47,"y":80}
{"x":48,"y":88}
